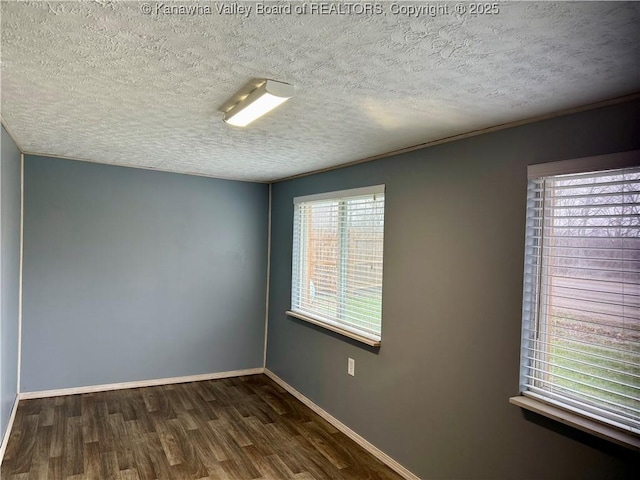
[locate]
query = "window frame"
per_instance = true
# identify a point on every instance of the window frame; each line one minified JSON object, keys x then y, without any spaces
{"x":361,"y":335}
{"x":557,"y":410}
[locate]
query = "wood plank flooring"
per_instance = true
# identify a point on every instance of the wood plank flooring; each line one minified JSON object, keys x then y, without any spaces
{"x":234,"y":429}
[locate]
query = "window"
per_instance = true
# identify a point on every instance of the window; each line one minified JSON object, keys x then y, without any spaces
{"x":581,"y":312}
{"x":337,"y":261}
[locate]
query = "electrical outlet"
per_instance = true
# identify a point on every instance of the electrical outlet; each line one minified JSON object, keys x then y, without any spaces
{"x":351,"y":367}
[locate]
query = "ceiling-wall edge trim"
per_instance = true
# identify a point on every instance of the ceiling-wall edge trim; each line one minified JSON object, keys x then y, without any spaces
{"x":473,"y":133}
{"x":11,"y":135}
{"x":138,"y":167}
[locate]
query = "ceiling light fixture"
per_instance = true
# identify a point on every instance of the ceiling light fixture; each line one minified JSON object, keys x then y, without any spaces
{"x":263,"y":99}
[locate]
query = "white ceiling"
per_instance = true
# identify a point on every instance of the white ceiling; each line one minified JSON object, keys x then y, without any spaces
{"x":102,"y":81}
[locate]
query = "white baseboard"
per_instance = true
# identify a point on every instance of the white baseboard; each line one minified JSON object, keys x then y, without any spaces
{"x":369,"y":447}
{"x":137,"y":384}
{"x":5,"y":438}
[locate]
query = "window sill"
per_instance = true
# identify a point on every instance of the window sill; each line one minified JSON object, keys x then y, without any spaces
{"x":628,"y":440}
{"x":336,"y":329}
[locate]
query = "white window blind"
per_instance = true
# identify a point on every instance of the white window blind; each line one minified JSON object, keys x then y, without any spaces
{"x":581,"y":313}
{"x":337,"y":259}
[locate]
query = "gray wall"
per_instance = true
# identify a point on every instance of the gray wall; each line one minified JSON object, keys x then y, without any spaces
{"x":133,"y":274}
{"x":10,"y":275}
{"x":435,"y":395}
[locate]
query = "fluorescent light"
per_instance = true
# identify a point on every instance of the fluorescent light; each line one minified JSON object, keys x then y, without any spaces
{"x":262,"y":100}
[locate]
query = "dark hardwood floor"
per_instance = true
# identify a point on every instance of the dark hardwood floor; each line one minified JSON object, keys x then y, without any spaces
{"x":237,"y":428}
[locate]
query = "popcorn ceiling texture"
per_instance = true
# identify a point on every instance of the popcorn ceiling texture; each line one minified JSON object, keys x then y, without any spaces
{"x":104,"y":82}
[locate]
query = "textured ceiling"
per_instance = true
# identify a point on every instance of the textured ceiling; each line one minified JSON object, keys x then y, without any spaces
{"x":103,"y":81}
